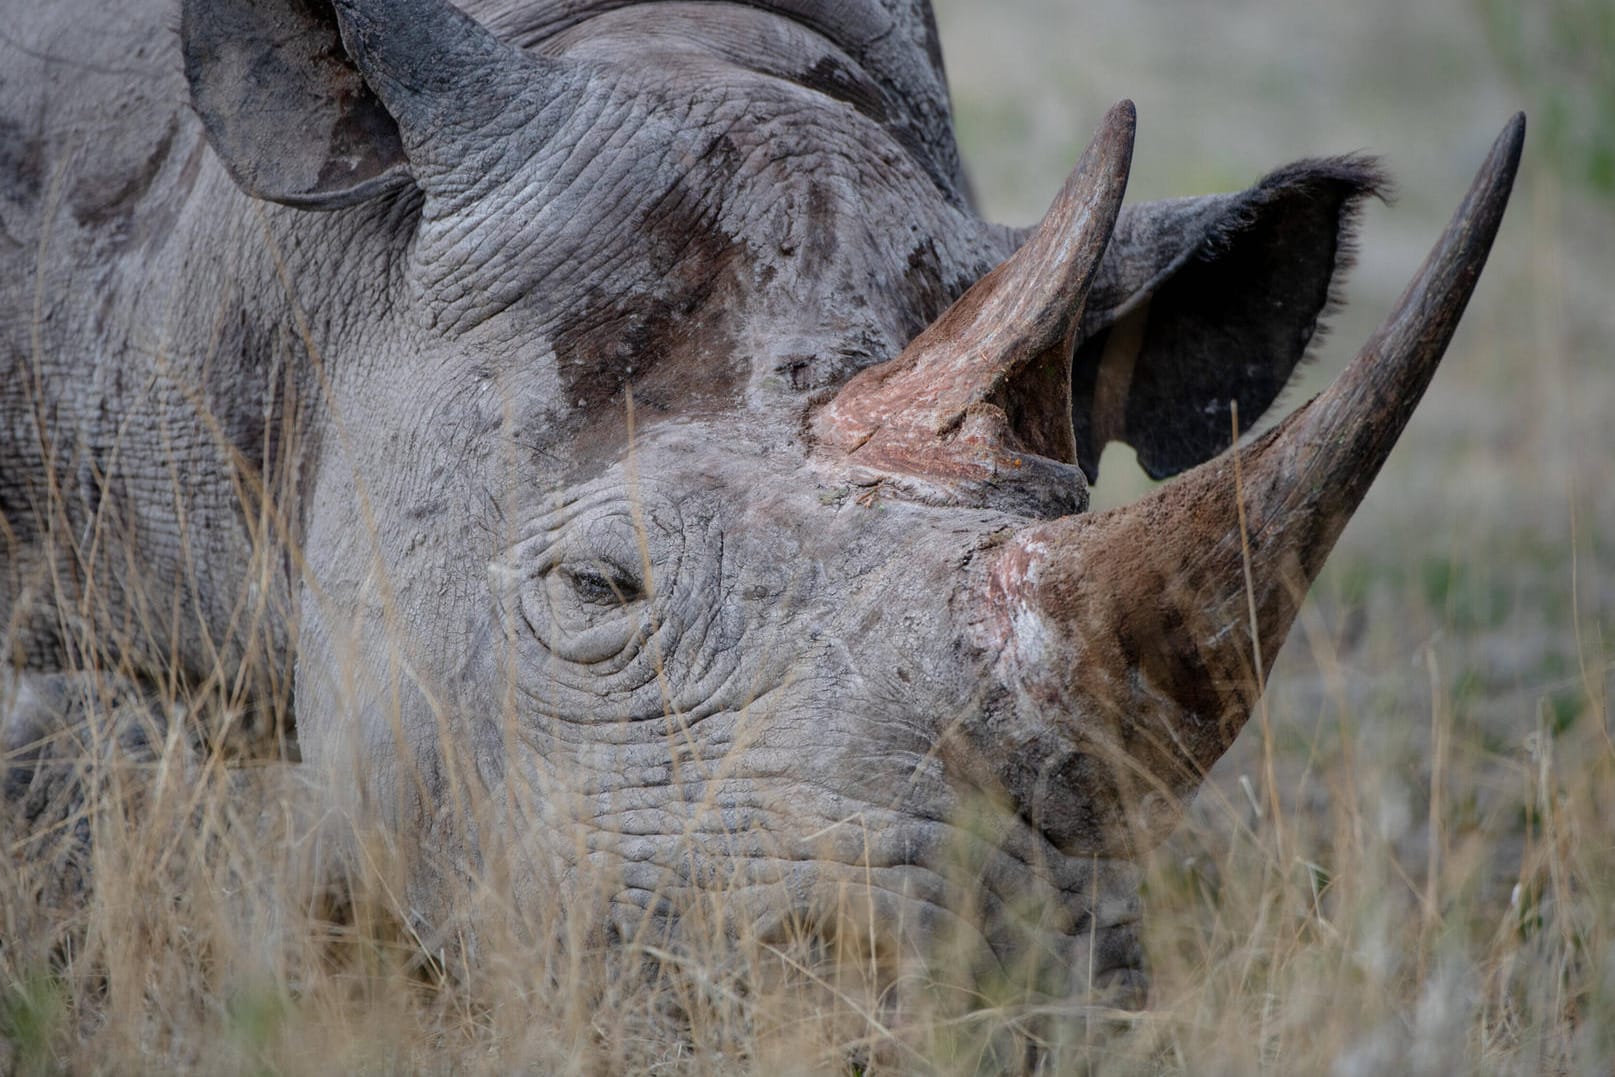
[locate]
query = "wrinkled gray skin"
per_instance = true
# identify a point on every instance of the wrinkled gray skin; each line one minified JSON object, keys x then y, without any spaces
{"x":376,"y":457}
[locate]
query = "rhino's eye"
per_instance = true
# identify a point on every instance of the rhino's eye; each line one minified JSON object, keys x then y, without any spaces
{"x":600,"y":584}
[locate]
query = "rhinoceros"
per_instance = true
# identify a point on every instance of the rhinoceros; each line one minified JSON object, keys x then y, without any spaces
{"x":625,"y":405}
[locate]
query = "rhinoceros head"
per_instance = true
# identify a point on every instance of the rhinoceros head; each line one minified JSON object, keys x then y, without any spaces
{"x":695,"y":462}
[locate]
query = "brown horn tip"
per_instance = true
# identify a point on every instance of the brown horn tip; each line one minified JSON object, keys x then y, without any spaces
{"x":1391,"y":371}
{"x":1163,"y":646}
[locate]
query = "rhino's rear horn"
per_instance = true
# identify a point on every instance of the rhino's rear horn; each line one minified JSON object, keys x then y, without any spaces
{"x":990,"y":380}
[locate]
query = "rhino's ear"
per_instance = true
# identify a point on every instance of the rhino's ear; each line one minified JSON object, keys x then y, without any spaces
{"x":1201,"y":301}
{"x":284,"y":106}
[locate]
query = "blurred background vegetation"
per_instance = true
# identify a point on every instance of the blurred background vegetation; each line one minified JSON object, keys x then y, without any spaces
{"x":1561,"y":54}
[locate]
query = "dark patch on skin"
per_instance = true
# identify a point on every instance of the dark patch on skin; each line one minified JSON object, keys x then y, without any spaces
{"x":156,"y":224}
{"x":799,"y":371}
{"x":598,"y":357}
{"x":723,"y":158}
{"x":259,"y":436}
{"x":671,"y":344}
{"x":103,"y":320}
{"x":669,"y":336}
{"x":132,"y":209}
{"x":835,"y":79}
{"x":109,"y":202}
{"x":925,"y":292}
{"x":818,"y":228}
{"x":17,"y":519}
{"x":22,"y":163}
{"x":427,"y":509}
{"x":361,"y":123}
{"x":812,"y":372}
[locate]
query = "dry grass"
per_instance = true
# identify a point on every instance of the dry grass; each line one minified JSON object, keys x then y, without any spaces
{"x":1445,"y":896}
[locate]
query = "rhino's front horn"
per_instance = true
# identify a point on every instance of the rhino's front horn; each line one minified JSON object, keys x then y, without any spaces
{"x":1150,"y":608}
{"x":989,"y":382}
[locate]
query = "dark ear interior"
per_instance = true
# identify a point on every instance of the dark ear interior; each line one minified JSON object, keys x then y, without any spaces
{"x":284,"y":107}
{"x":1207,"y":300}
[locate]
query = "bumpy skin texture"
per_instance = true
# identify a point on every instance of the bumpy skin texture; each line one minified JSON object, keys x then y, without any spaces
{"x":379,"y":453}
